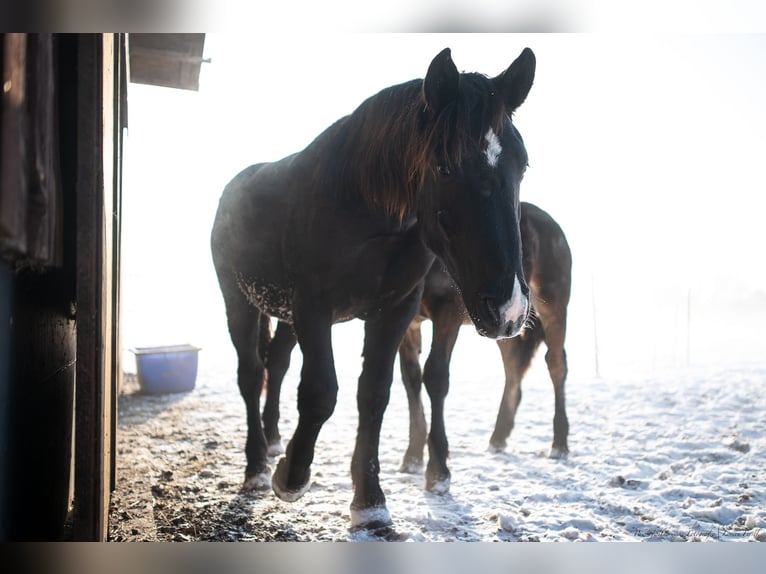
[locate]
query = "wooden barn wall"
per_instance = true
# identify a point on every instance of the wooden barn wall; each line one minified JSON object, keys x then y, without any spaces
{"x":98,"y":278}
{"x":38,"y":294}
{"x":60,"y":217}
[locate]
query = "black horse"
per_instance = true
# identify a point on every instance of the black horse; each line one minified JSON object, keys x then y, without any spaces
{"x":349,"y":227}
{"x":547,"y":264}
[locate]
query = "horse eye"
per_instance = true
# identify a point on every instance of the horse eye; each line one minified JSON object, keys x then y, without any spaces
{"x":444,"y":223}
{"x":443,"y":169}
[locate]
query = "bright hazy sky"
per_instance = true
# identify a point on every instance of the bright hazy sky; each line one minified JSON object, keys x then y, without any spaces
{"x":649,"y":150}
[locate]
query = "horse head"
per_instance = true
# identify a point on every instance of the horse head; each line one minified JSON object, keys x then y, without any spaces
{"x":468,"y":203}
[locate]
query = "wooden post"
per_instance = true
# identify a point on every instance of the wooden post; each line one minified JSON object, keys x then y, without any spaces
{"x":120,"y":121}
{"x":595,"y":328}
{"x":95,"y":170}
{"x":688,"y":326}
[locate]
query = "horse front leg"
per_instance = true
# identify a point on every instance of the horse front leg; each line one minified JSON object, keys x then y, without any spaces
{"x":317,"y":395}
{"x":277,"y":363}
{"x":412,"y":377}
{"x":446,"y":327}
{"x":383,"y":335}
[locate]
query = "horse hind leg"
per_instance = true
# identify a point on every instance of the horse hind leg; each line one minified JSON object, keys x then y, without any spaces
{"x":556,"y":359}
{"x":412,"y":376}
{"x":517,"y":355}
{"x":277,"y":362}
{"x":446,"y":325}
{"x":248,"y":327}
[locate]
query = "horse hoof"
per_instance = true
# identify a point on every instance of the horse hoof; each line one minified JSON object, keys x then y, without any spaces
{"x":438,"y":486}
{"x":370,"y":518}
{"x":276,"y":448}
{"x":411,"y":466}
{"x":496,"y":447}
{"x":558,"y":453}
{"x":279,"y":484}
{"x":438,"y":482}
{"x":259,"y":481}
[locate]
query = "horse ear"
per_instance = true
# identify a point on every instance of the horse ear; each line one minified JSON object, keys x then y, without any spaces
{"x":516,"y":81}
{"x":440,"y":85}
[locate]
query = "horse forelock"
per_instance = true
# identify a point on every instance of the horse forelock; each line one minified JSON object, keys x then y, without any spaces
{"x":462,"y":125}
{"x":385,"y":150}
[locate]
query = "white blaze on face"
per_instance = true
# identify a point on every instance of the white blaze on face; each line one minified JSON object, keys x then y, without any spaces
{"x":494,"y":149}
{"x":516,"y":307}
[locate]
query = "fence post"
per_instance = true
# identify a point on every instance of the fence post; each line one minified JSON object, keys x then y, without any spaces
{"x":595,"y":328}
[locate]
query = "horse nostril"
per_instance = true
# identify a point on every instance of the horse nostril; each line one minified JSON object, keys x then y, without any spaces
{"x":491,"y":309}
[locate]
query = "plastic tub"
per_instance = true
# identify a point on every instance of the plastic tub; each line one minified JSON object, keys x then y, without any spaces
{"x":168,"y":369}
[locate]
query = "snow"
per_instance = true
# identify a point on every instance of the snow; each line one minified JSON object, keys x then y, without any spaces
{"x":675,"y":456}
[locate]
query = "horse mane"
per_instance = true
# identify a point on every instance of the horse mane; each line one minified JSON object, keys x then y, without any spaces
{"x":384,"y":151}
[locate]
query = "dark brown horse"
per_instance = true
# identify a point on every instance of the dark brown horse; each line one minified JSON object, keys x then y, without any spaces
{"x":349,"y":227}
{"x":547,"y":265}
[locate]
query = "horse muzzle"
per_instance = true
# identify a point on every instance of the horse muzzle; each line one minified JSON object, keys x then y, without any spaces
{"x":501,"y":319}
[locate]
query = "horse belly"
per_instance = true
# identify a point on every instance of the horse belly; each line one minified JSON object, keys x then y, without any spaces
{"x":269,"y":298}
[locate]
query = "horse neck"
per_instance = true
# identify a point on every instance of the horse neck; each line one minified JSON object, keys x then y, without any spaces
{"x":368,"y":155}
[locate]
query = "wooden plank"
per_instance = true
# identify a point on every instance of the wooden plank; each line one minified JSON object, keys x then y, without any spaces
{"x":13,"y":143}
{"x":44,"y":217}
{"x":89,"y":182}
{"x":30,"y":193}
{"x":94,"y":286}
{"x":108,"y":277}
{"x":170,"y":60}
{"x":120,"y":109}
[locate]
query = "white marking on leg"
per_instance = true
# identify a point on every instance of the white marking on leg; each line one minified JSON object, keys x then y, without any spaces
{"x":557,"y":453}
{"x":496,"y":448}
{"x":517,"y":306}
{"x":494,"y":149}
{"x":377,"y":515}
{"x":440,"y":486}
{"x":260,"y":481}
{"x":411,"y":467}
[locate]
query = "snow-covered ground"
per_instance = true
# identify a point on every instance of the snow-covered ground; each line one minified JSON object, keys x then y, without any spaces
{"x":676,"y":456}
